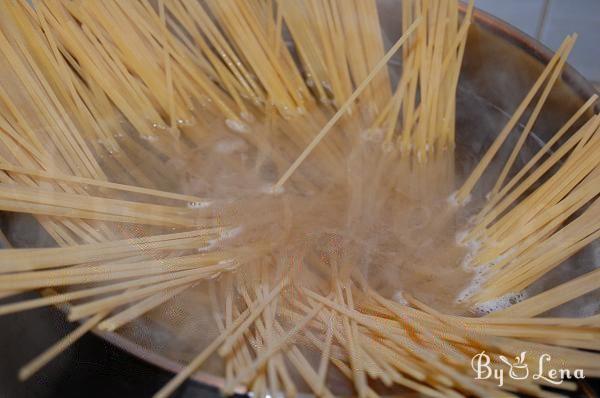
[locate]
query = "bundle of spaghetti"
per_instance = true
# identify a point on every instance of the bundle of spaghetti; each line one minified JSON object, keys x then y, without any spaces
{"x":85,"y":22}
{"x":338,"y":44}
{"x":399,"y":341}
{"x":41,"y":132}
{"x":64,"y":34}
{"x":546,"y":213}
{"x":400,"y":116}
{"x":542,"y":215}
{"x":187,"y":147}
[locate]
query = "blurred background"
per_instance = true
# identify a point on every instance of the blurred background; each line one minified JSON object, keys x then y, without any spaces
{"x":549,"y":21}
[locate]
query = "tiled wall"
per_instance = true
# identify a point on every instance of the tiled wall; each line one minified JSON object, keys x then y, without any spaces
{"x":551,"y":20}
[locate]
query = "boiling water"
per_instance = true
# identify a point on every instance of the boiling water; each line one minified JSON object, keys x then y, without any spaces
{"x":391,"y":221}
{"x":397,"y":229}
{"x":377,"y":213}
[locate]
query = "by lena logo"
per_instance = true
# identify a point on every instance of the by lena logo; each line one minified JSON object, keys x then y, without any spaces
{"x":518,"y":369}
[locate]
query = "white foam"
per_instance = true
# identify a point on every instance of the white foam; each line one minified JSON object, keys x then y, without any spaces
{"x":467,"y":261}
{"x":498,"y":304}
{"x":472,"y":246}
{"x":480,"y":276}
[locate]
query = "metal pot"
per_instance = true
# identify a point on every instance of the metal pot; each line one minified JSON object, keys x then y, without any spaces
{"x":501,"y":63}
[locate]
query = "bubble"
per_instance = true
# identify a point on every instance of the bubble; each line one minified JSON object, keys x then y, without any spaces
{"x":399,"y":298}
{"x":453,"y":200}
{"x":231,"y":233}
{"x":286,"y":112}
{"x":186,"y":122}
{"x":473,"y":245}
{"x":231,"y":146}
{"x":473,"y":220}
{"x":373,"y":135}
{"x":467,"y":261}
{"x":237,"y":126}
{"x":326,"y":100}
{"x":214,"y":276}
{"x":209,"y":245}
{"x":420,"y":156}
{"x":460,"y":237}
{"x":272,"y":189}
{"x":200,"y":204}
{"x":149,"y":137}
{"x":159,"y":126}
{"x":229,"y":263}
{"x":205,"y":101}
{"x":247,"y":116}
